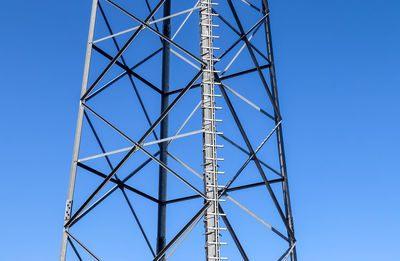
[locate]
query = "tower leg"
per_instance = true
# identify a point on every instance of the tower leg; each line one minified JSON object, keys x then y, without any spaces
{"x":78,"y":133}
{"x":162,"y":185}
{"x":279,"y":135}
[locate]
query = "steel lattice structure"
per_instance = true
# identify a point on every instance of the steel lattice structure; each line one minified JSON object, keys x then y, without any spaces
{"x":153,"y":70}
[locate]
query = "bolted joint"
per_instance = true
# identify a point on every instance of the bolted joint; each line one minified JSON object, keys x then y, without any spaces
{"x":68,"y":209}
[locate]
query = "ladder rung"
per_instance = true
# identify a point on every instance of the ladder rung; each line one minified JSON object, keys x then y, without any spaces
{"x":214,"y":132}
{"x":217,"y":228}
{"x":213,"y":36}
{"x":219,"y":214}
{"x":216,"y":146}
{"x":213,"y":25}
{"x":212,"y":95}
{"x":217,"y":172}
{"x":212,"y":48}
{"x":214,"y":14}
{"x":216,"y":120}
{"x":210,"y":71}
{"x":217,"y":243}
{"x":218,"y":186}
{"x":216,"y":83}
{"x":219,"y":200}
{"x":206,"y":3}
{"x":212,"y":107}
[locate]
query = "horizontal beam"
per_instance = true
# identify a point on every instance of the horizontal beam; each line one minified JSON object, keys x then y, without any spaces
{"x":225,"y":77}
{"x":228,"y":190}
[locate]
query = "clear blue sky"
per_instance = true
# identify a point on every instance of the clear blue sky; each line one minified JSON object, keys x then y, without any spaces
{"x":338,"y":74}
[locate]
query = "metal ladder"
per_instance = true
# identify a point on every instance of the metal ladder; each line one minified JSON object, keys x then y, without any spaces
{"x":210,"y":161}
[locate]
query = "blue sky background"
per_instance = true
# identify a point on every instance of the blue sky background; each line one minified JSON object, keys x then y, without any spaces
{"x":338,"y":75}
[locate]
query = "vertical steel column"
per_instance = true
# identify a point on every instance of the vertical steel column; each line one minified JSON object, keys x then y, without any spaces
{"x":279,"y":135}
{"x":211,"y":218}
{"x":78,"y":133}
{"x":162,"y":182}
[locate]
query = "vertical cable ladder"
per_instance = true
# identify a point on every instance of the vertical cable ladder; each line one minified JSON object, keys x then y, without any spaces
{"x":210,"y":159}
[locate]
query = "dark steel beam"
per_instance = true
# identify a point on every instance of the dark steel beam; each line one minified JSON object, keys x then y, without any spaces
{"x":242,"y":72}
{"x":279,"y":135}
{"x":162,"y":178}
{"x":75,"y":250}
{"x":272,"y":181}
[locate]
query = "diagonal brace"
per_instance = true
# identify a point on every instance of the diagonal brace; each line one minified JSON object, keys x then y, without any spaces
{"x":123,"y":49}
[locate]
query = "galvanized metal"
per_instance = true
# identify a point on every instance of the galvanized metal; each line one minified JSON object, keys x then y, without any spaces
{"x":78,"y":132}
{"x":212,"y":84}
{"x":210,"y":159}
